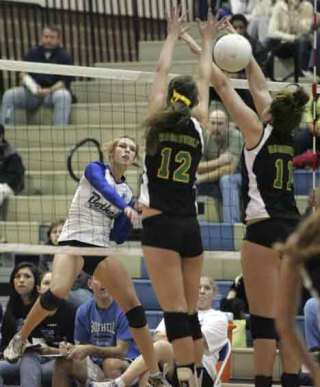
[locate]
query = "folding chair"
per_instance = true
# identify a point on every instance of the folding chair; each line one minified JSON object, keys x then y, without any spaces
{"x":224,"y":355}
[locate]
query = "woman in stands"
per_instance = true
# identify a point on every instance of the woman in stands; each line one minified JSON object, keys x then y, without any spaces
{"x":270,"y":211}
{"x":102,"y":200}
{"x":301,"y":264}
{"x":171,"y":235}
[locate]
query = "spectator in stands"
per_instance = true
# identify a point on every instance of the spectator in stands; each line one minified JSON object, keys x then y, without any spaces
{"x":312,"y":324}
{"x":214,"y":327}
{"x":42,"y":89}
{"x":289,"y":34}
{"x":240,"y":24}
{"x":217,"y":172}
{"x":103,"y":342}
{"x":304,"y":135}
{"x":33,"y":370}
{"x":54,"y":231}
{"x":11,"y":169}
{"x":259,"y":22}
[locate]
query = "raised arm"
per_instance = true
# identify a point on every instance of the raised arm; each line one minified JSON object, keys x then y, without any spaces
{"x":158,"y":90}
{"x":207,"y":31}
{"x":242,"y":115}
{"x":258,"y":87}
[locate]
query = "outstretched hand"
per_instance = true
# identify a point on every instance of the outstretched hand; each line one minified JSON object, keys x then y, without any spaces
{"x":208,"y":28}
{"x":176,"y":22}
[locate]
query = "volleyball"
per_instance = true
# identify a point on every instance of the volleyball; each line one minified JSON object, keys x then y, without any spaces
{"x":232,"y":52}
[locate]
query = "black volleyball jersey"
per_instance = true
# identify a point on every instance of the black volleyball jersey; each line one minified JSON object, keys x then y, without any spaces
{"x":168,"y":180}
{"x":267,"y":179}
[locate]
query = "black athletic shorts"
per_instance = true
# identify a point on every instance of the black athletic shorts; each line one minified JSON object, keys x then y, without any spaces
{"x":268,"y":231}
{"x":177,"y":233}
{"x":90,"y":261}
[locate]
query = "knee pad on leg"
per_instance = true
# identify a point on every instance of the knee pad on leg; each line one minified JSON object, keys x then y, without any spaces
{"x":263,"y":328}
{"x":136,"y":317}
{"x":177,"y":325}
{"x":290,"y":380}
{"x":49,"y":301}
{"x":262,"y":381}
{"x":195,"y":326}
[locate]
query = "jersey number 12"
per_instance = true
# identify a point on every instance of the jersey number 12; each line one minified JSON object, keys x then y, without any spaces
{"x":181,"y":172}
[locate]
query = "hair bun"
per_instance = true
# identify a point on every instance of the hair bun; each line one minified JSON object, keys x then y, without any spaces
{"x":301,"y":97}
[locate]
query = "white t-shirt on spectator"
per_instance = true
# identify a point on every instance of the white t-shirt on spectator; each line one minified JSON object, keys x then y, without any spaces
{"x":214,"y":327}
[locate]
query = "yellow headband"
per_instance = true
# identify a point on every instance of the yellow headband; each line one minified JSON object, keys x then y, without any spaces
{"x":179,"y":97}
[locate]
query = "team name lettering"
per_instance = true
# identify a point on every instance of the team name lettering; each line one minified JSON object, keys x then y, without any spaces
{"x":98,"y":327}
{"x":179,"y":138}
{"x":286,"y":149}
{"x":96,"y":203}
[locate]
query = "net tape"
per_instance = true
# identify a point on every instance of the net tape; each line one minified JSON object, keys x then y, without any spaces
{"x":106,"y":73}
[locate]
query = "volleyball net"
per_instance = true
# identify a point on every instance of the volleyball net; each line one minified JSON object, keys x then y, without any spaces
{"x":110,"y":103}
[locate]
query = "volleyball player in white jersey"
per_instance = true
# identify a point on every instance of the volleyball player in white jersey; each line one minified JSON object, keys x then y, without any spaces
{"x":102,"y":208}
{"x":270,"y":211}
{"x":171,"y":235}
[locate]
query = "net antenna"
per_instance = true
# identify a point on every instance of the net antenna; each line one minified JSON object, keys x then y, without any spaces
{"x":315,"y":96}
{"x":75,"y":148}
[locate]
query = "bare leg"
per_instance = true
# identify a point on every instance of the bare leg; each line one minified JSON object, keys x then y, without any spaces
{"x":64,"y":272}
{"x":115,"y":278}
{"x":261,"y":271}
{"x":164,"y":353}
{"x":192,"y":269}
{"x":165,"y":270}
{"x":65,"y":369}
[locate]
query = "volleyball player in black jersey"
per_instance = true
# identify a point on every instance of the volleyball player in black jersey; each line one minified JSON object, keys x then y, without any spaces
{"x":270,"y":211}
{"x":300,"y":264}
{"x":171,"y":237}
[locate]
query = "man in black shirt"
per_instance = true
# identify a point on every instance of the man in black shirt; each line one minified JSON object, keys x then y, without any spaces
{"x":37,"y":89}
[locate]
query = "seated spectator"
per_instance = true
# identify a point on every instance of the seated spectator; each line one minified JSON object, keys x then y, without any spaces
{"x":104,"y":342}
{"x":80,"y":292}
{"x":289,"y":34}
{"x":312,"y":324}
{"x":42,"y":89}
{"x":240,"y":23}
{"x":236,"y":303}
{"x":259,"y":22}
{"x":217,"y":172}
{"x":303,"y":139}
{"x":34,"y":370}
{"x":214,"y":327}
{"x":11,"y":169}
{"x":54,"y":231}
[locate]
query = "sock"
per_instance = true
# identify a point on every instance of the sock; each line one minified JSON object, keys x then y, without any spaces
{"x":262,"y":381}
{"x":289,"y":380}
{"x":120,"y":382}
{"x":181,"y":367}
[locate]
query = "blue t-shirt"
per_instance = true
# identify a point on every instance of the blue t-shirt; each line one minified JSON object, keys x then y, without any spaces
{"x":103,"y":327}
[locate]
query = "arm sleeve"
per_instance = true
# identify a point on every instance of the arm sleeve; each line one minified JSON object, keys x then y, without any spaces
{"x":81,"y":333}
{"x":121,"y":229}
{"x":95,"y":174}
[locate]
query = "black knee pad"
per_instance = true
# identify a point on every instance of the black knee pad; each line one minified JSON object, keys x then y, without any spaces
{"x":136,"y":317}
{"x":177,"y":325}
{"x":195,"y":326}
{"x":263,"y":327}
{"x":290,"y":380}
{"x":262,"y":381}
{"x":49,"y":301}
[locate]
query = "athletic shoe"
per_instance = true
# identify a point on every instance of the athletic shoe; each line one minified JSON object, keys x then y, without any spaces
{"x":15,"y":349}
{"x":158,"y":380}
{"x":109,"y":383}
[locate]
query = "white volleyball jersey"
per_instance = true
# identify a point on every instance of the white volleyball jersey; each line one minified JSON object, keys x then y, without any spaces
{"x":92,"y":211}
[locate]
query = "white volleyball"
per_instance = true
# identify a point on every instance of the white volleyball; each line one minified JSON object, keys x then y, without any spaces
{"x":232,"y":52}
